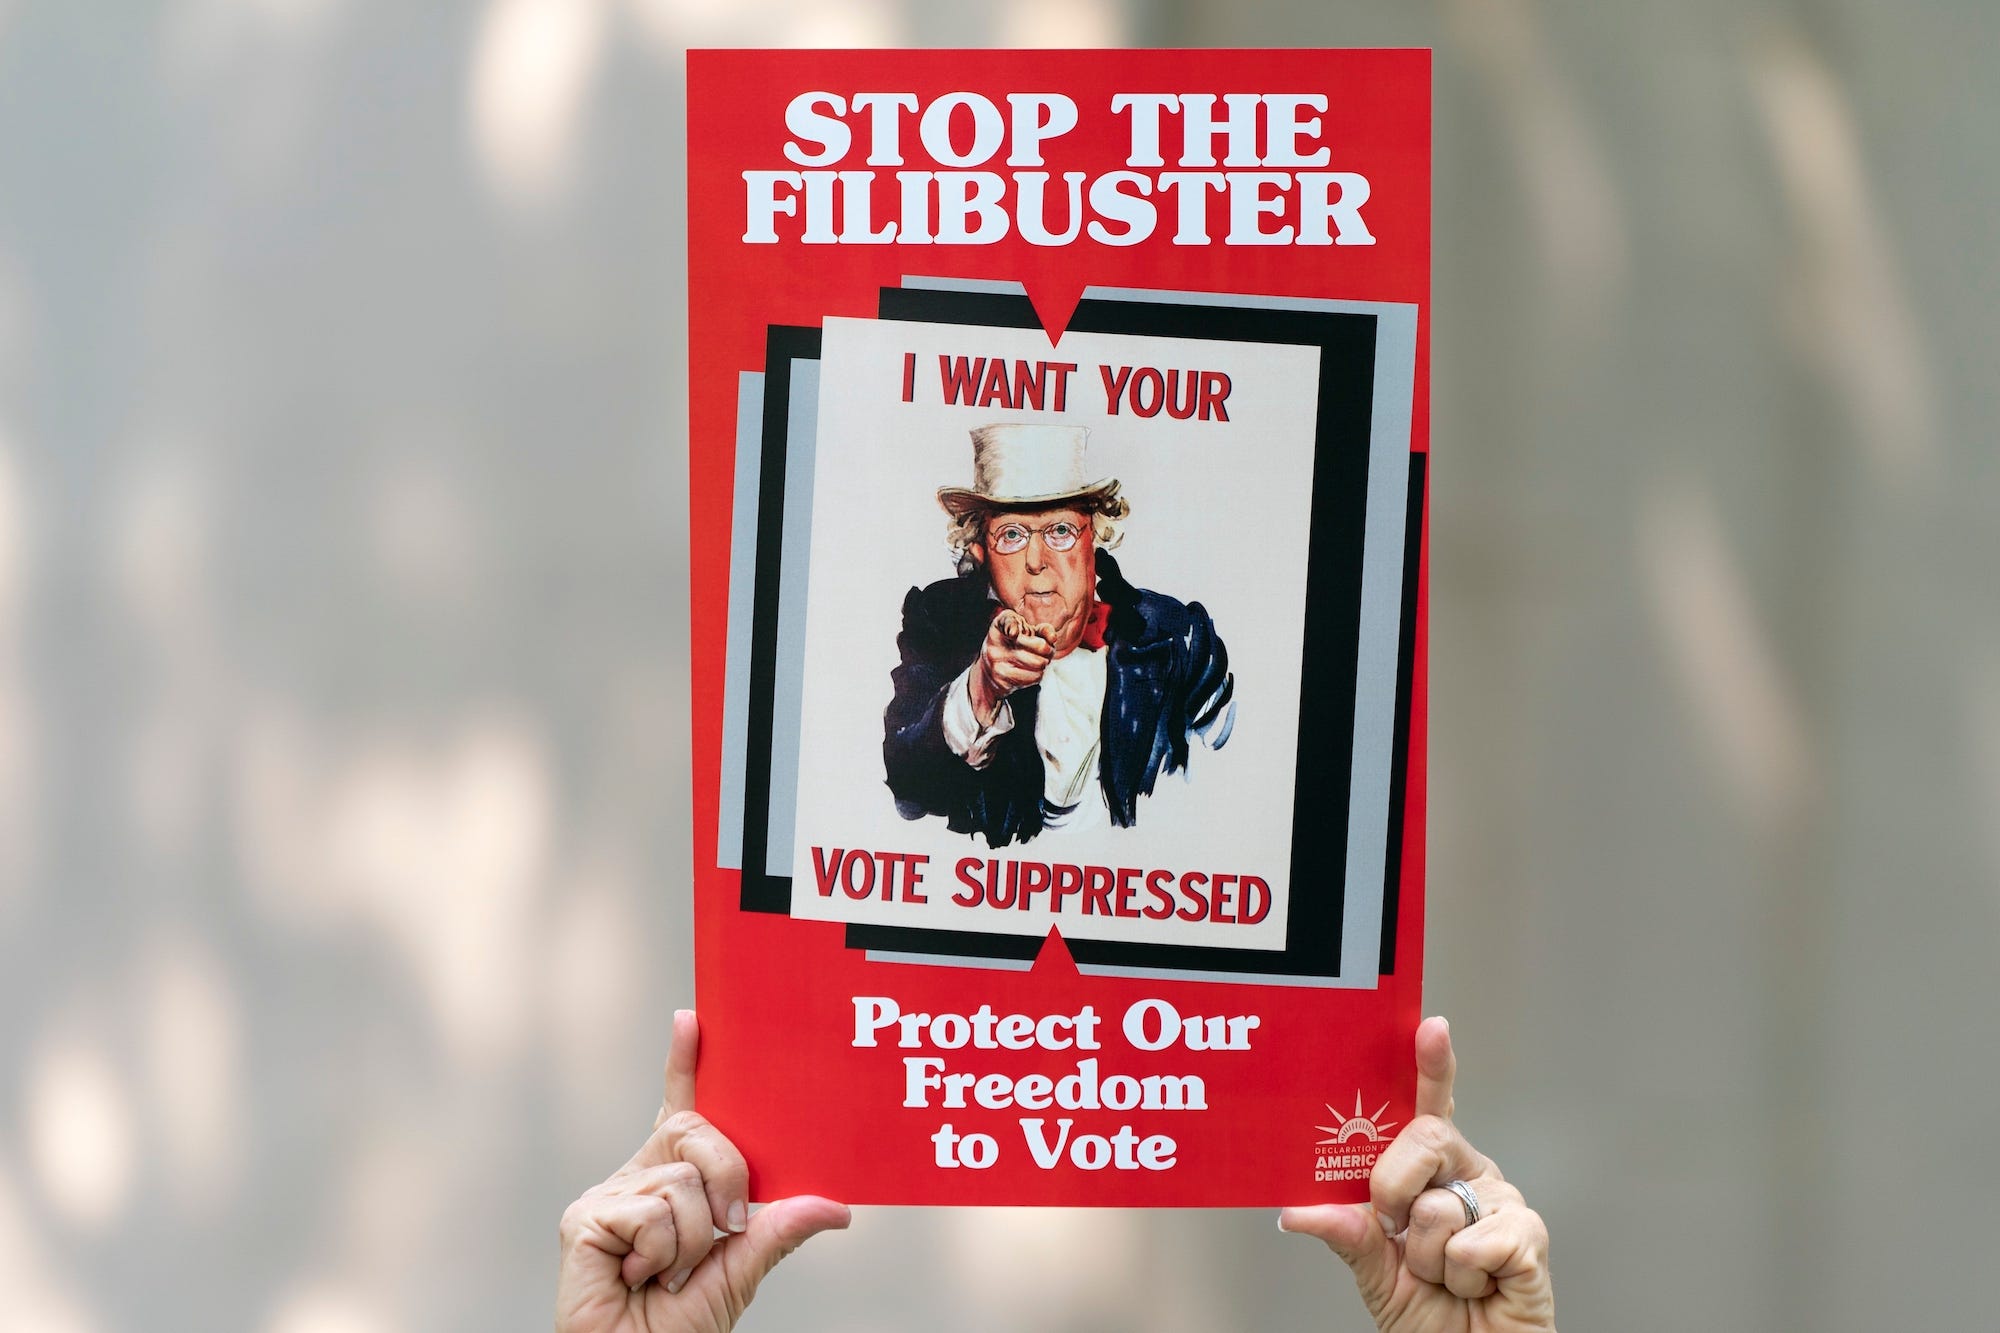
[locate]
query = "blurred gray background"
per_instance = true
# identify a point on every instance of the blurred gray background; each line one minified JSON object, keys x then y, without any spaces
{"x":343,"y":793}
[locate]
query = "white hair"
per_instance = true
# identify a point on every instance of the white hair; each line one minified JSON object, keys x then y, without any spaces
{"x":1107,"y":525}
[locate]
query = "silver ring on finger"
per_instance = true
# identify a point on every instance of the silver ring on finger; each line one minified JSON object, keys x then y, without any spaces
{"x":1466,"y":1198}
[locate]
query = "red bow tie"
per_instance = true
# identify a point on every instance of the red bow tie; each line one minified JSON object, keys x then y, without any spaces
{"x":1093,"y":625}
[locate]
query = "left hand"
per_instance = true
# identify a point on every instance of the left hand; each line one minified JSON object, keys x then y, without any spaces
{"x":1420,"y":1268}
{"x":640,"y":1252}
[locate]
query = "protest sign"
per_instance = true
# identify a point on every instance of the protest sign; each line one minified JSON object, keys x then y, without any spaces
{"x":1058,"y":471}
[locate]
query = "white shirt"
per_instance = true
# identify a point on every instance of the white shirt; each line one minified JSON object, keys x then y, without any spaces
{"x":1067,"y":733}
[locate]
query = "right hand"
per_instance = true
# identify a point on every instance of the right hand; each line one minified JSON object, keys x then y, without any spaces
{"x":1419,"y":1267}
{"x":1013,"y":657}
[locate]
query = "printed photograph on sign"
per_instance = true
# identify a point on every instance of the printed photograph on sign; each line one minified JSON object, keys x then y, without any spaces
{"x":1052,"y":635}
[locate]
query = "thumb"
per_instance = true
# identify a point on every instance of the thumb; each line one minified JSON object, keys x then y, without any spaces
{"x":775,"y":1231}
{"x":1351,"y":1231}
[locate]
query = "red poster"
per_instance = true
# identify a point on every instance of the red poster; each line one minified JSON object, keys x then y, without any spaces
{"x":1059,"y":430}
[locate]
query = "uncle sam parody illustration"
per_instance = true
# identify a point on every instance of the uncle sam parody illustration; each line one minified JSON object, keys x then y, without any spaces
{"x":1038,"y":690}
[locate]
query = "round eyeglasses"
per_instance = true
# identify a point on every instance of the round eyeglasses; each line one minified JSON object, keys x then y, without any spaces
{"x":1013,"y":538}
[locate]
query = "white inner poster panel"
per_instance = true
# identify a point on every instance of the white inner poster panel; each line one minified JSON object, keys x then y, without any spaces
{"x":1220,"y":514}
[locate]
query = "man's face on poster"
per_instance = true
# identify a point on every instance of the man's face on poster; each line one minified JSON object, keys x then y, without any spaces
{"x":1043,"y":564}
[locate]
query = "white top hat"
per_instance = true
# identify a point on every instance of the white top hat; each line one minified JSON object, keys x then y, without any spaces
{"x":1017,"y":463}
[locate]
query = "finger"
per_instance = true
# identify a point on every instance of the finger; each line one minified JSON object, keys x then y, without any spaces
{"x":1439,"y":1214}
{"x":1011,"y":627}
{"x":1466,"y":1281}
{"x":1351,"y":1231}
{"x":679,"y":1185}
{"x":681,"y":1054}
{"x":1014,"y":677}
{"x":686,"y":1136}
{"x":589,"y":1262}
{"x":1428,"y":1152}
{"x":655,"y":1241}
{"x":633,"y":1231}
{"x":1435,"y":1217}
{"x":1436,"y":1067}
{"x":1506,"y":1257}
{"x":730,"y":1278}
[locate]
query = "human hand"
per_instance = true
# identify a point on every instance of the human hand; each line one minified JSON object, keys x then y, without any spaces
{"x":1419,"y":1266}
{"x":640,"y":1253}
{"x":1013,"y":657}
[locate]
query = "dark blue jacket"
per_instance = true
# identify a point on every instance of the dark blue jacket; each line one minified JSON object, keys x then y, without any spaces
{"x":1166,"y":678}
